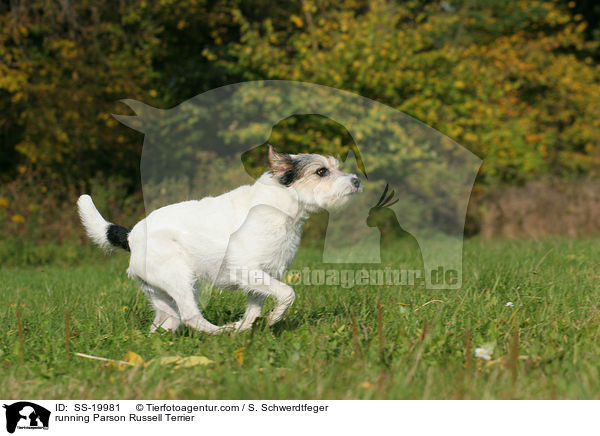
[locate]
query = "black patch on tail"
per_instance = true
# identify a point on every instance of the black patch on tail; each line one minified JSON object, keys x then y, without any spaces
{"x":117,"y":236}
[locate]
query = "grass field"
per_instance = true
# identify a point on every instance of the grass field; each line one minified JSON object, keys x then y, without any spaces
{"x":330,"y":345}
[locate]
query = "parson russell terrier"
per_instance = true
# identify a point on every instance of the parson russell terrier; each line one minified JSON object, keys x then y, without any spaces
{"x":244,"y":239}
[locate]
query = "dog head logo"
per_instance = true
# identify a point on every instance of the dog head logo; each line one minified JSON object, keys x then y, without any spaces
{"x":26,"y":415}
{"x":197,"y":149}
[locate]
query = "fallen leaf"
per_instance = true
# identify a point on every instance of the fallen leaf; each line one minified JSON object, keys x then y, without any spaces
{"x":184,"y":362}
{"x":167,"y":360}
{"x":131,"y":357}
{"x":239,"y":355}
{"x":189,"y":361}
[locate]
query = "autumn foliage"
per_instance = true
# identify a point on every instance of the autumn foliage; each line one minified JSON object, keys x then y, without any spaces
{"x":517,"y":83}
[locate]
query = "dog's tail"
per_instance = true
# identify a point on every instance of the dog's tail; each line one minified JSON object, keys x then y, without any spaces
{"x":103,"y":233}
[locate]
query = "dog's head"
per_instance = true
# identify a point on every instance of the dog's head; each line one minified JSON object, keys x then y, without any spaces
{"x":317,"y":179}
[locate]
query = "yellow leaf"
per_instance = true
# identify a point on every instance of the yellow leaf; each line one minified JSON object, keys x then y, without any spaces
{"x":184,"y":362}
{"x":131,"y":357}
{"x":167,"y":360}
{"x":239,"y":355}
{"x":16,"y":218}
{"x":3,"y":202}
{"x":189,"y":361}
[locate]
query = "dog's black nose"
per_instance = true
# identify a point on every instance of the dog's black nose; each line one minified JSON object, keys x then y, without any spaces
{"x":356,"y":182}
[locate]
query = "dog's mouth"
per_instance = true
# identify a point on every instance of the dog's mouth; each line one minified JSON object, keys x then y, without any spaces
{"x":351,"y":193}
{"x":354,"y":191}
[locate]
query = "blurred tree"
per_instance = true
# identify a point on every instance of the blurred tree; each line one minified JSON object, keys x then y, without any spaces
{"x":589,"y":11}
{"x":515,"y":82}
{"x":63,"y":67}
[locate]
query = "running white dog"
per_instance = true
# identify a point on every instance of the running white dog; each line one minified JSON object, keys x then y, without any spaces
{"x":244,"y":239}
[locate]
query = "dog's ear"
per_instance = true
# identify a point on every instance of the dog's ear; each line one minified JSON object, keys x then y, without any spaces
{"x":280,"y":163}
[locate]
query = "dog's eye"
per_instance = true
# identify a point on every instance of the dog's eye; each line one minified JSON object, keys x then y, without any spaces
{"x":322,"y":172}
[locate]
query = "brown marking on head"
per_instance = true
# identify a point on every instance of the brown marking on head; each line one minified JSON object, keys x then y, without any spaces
{"x":280,"y":163}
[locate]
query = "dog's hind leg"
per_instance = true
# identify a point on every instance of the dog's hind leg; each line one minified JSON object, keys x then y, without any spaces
{"x":164,"y":321}
{"x":191,"y":315}
{"x":167,"y":316}
{"x":177,"y":280}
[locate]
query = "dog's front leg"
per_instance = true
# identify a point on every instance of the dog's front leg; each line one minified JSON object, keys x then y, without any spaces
{"x":263,"y":284}
{"x":253,"y":310}
{"x":284,"y":297}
